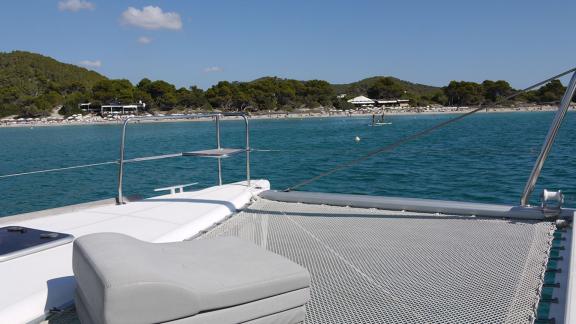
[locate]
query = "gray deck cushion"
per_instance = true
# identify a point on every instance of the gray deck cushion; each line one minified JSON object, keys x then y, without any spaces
{"x":124,"y":280}
{"x":245,"y":313}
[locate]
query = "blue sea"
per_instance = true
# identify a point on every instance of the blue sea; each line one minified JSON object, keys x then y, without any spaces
{"x":483,"y":158}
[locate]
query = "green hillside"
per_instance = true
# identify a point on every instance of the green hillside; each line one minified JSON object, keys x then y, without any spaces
{"x":381,"y":87}
{"x":31,"y":82}
{"x":361,"y":87}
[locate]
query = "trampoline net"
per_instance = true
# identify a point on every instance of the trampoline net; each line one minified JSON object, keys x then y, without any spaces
{"x":379,"y":266}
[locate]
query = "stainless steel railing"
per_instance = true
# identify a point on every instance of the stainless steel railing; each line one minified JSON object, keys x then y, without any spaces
{"x":217,"y":116}
{"x":552,"y":133}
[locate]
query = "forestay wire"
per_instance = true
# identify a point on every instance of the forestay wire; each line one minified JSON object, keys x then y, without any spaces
{"x":410,"y":138}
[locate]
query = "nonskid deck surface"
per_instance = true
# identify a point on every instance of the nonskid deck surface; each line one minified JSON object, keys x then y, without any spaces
{"x":375,"y":266}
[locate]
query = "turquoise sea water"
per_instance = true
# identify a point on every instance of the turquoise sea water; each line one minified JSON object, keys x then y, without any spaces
{"x":484,"y":158}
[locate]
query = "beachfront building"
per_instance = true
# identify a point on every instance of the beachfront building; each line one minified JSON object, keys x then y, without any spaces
{"x":393,"y":103}
{"x":114,"y":108}
{"x":365,"y":102}
{"x":120,"y":109}
{"x":362,"y":102}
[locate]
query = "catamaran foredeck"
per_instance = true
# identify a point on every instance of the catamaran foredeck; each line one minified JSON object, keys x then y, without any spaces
{"x":374,"y":265}
{"x":372,"y":259}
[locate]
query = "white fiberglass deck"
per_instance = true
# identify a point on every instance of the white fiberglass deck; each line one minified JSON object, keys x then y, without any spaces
{"x":34,"y":284}
{"x":379,"y":266}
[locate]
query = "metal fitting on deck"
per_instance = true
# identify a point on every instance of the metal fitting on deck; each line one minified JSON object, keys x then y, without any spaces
{"x":552,"y":202}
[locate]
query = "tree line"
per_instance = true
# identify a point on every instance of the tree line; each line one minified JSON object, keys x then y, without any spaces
{"x":272,"y":94}
{"x":275,"y":94}
{"x":266,"y":94}
{"x":471,"y":94}
{"x":32,"y":85}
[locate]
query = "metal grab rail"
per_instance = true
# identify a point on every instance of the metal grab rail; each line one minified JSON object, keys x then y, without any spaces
{"x":550,"y":137}
{"x":217,"y":116}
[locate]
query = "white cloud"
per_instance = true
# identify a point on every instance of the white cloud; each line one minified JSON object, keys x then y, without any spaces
{"x":213,"y":69}
{"x":151,"y":17}
{"x":91,"y":64}
{"x":75,"y":5}
{"x":144,"y":40}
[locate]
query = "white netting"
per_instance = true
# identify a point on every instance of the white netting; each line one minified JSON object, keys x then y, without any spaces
{"x":377,"y":266}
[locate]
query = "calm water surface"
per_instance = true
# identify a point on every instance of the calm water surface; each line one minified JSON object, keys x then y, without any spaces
{"x":484,"y":158}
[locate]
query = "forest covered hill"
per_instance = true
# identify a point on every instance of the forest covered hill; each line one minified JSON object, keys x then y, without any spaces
{"x":31,"y":83}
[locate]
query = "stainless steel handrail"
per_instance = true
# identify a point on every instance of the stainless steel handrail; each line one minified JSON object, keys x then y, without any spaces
{"x":218,"y":147}
{"x":121,"y":161}
{"x":552,"y":132}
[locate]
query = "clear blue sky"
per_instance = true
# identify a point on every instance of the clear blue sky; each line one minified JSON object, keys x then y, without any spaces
{"x":202,"y":42}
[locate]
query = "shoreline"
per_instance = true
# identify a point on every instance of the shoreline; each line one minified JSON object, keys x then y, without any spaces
{"x":283,"y":115}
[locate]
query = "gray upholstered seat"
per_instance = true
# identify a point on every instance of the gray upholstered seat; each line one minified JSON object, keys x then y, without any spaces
{"x":224,"y":280}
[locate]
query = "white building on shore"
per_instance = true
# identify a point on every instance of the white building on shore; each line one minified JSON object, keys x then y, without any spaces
{"x":114,"y":108}
{"x":365,"y":102}
{"x":362,"y":101}
{"x":394,"y":103}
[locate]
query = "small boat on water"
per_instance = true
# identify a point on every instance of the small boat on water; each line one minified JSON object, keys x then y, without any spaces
{"x":243,"y":253}
{"x":381,"y":124}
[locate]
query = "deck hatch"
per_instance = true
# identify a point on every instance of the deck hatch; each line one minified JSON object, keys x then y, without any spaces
{"x":17,"y":241}
{"x":374,"y":266}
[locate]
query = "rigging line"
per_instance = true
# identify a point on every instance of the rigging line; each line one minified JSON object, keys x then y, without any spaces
{"x":139,"y":159}
{"x":133,"y":160}
{"x":421,"y":133}
{"x":57,"y":169}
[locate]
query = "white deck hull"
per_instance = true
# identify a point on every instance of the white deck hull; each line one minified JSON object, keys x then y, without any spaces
{"x":34,"y":284}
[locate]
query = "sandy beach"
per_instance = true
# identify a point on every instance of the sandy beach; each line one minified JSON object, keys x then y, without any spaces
{"x":97,"y":120}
